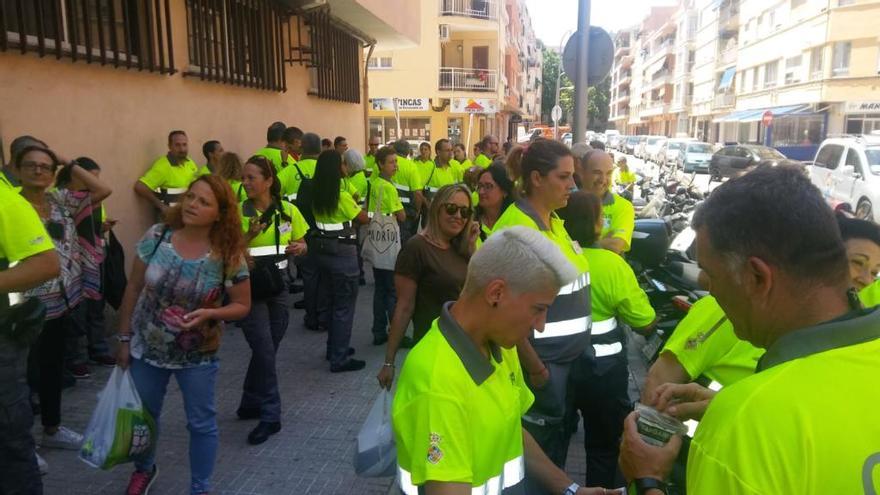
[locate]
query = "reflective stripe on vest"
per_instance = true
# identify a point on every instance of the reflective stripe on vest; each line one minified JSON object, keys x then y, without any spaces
{"x":404,"y":193}
{"x":171,"y":195}
{"x":340,"y":230}
{"x":330,"y":227}
{"x":603,"y":350}
{"x":563,"y":328}
{"x":291,"y":197}
{"x":579,"y":283}
{"x":265,"y":251}
{"x":512,"y":474}
{"x":604,"y":326}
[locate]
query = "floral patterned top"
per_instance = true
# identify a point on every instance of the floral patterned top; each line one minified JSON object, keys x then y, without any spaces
{"x":173,"y":287}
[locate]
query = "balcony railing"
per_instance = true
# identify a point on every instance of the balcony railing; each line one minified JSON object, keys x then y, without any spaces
{"x":454,"y":78}
{"x":728,"y":18}
{"x":724,"y":100}
{"x":476,"y":9}
{"x":727,"y":57}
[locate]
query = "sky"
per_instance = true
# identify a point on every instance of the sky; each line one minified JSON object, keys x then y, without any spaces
{"x":552,"y":18}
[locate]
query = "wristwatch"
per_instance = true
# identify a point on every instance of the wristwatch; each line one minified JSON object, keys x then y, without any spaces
{"x":572,"y":489}
{"x":642,"y":485}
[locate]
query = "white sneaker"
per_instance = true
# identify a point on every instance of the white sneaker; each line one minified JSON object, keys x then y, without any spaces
{"x":64,"y":438}
{"x":42,"y":464}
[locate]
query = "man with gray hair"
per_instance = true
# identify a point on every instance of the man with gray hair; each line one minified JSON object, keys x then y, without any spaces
{"x":462,"y":393}
{"x":806,"y":421}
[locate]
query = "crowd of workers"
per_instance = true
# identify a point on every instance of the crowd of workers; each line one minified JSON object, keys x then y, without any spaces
{"x":512,"y":281}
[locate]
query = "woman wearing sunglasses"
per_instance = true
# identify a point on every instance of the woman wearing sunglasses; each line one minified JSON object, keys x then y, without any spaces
{"x":68,"y":217}
{"x":431,"y":269}
{"x":547,"y":178}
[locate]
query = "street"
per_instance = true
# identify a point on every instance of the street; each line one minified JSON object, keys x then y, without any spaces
{"x":321,"y":416}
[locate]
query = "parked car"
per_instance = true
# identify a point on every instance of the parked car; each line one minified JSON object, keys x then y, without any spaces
{"x":654,"y":149}
{"x":847,"y":171}
{"x":630,"y":145}
{"x":734,"y":159}
{"x":647,"y":146}
{"x":610,"y":136}
{"x":614,"y":141}
{"x":640,"y":147}
{"x":694,"y":157}
{"x":671,"y":149}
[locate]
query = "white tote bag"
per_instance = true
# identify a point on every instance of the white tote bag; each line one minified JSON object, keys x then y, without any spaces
{"x":382,"y":240}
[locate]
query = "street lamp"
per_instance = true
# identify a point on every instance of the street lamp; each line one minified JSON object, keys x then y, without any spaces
{"x":562,"y":43}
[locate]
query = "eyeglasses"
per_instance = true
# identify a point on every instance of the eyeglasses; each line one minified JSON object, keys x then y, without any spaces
{"x":37,"y":167}
{"x":485,"y":186}
{"x":452,"y":208}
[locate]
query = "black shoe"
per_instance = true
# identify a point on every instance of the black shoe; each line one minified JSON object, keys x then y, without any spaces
{"x":314,"y":327}
{"x":407,"y":342}
{"x":350,"y":365}
{"x":248,"y":413}
{"x":379,"y":339}
{"x":262,"y":432}
{"x":301,"y":304}
{"x":350,"y":353}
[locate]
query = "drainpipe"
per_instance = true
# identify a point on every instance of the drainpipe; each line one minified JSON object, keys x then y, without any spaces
{"x":366,"y":97}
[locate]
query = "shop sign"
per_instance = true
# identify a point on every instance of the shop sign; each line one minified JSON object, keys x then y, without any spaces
{"x":486,"y":106}
{"x":403,"y":104}
{"x":863,"y":107}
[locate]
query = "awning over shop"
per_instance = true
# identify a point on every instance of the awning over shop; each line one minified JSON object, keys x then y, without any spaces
{"x":756,"y":114}
{"x":726,"y":79}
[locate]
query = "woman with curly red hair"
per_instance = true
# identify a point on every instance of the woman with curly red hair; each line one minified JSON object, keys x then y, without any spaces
{"x":173,"y":311}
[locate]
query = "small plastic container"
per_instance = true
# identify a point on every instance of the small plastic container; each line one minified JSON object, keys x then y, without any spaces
{"x":657,"y":428}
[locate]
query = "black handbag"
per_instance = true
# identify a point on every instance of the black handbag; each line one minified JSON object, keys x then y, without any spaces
{"x":113,"y":279}
{"x":266,"y":279}
{"x":23,"y":322}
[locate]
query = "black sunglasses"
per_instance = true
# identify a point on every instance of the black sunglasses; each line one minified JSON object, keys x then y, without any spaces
{"x":452,"y":208}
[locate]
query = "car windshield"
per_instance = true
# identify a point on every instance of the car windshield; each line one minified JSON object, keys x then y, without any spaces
{"x":765,"y":153}
{"x":674,"y":146}
{"x":699,"y":148}
{"x":653,"y":140}
{"x":873,"y":155}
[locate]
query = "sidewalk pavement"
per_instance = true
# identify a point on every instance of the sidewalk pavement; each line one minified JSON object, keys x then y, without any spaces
{"x":321,"y":415}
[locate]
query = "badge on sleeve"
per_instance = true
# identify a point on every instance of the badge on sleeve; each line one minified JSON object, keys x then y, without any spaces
{"x":434,"y":452}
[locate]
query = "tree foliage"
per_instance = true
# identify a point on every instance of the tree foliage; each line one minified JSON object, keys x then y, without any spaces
{"x":598,"y":97}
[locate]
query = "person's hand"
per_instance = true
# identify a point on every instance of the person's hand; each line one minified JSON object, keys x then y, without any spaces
{"x":296,"y":248}
{"x":598,"y":490}
{"x":197,"y":317}
{"x":638,"y":459}
{"x":255,"y":228}
{"x":540,"y":379}
{"x":386,"y":377}
{"x":123,"y":355}
{"x":684,"y":401}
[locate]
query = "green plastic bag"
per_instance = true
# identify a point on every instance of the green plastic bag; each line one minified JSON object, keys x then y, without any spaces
{"x":120,"y":429}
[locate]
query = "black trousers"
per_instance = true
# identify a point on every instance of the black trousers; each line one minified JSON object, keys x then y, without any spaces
{"x":19,"y":474}
{"x":600,"y":393}
{"x":46,"y":368}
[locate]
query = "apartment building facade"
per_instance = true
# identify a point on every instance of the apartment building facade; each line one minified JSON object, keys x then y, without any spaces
{"x":110,"y":79}
{"x":476,"y":71}
{"x":808,"y":68}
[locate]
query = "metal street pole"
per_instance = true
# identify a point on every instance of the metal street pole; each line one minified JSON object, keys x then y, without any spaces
{"x":581,"y":104}
{"x":562,"y":43}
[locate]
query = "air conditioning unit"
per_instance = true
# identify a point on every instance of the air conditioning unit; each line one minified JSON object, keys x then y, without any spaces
{"x":444,"y":33}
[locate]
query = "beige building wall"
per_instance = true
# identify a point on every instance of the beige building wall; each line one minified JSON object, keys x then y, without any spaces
{"x":121,"y":118}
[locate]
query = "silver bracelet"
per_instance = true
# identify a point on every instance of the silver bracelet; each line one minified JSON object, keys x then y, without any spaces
{"x":388,"y":365}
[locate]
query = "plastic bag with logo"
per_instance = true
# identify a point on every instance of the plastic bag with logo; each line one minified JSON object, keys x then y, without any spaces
{"x":376,"y":454}
{"x":120,"y":429}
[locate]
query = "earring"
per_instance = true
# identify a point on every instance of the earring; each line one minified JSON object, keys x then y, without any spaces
{"x":494,"y":304}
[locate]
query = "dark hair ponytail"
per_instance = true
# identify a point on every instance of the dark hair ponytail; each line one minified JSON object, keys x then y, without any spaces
{"x":267,"y":170}
{"x":541,"y":156}
{"x":66,"y":175}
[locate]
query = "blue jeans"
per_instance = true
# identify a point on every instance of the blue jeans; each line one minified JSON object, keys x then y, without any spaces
{"x":197,"y":386}
{"x":264,"y":327}
{"x":384,"y":299}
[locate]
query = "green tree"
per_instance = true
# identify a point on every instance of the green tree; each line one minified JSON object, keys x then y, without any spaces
{"x":598,"y":97}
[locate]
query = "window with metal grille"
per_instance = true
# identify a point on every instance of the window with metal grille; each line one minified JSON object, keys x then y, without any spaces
{"x":122,"y":33}
{"x":237,"y":42}
{"x":335,"y":69}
